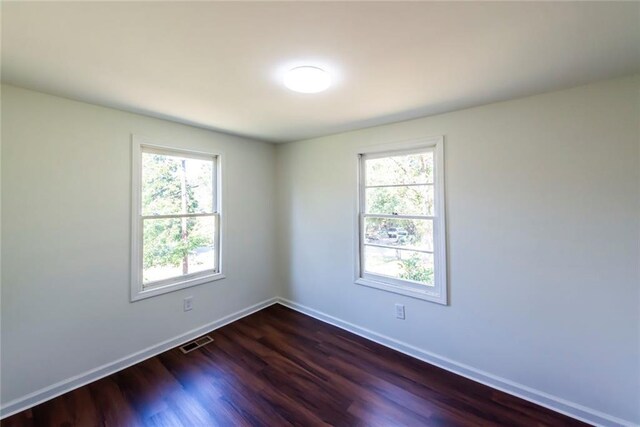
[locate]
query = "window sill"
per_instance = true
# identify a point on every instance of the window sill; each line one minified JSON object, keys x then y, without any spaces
{"x":171,"y":287}
{"x":404,"y":290}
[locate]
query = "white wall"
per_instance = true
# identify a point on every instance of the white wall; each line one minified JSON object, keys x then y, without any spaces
{"x":543,"y":219}
{"x":66,"y":197}
{"x":543,"y":198}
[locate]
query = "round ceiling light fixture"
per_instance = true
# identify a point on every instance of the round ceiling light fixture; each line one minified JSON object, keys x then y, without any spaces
{"x":307,"y":79}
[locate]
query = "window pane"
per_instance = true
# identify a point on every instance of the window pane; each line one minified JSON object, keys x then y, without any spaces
{"x":402,"y":169}
{"x":177,"y":246}
{"x":403,"y":233}
{"x":173,"y":185}
{"x":399,"y":264}
{"x":415,"y":200}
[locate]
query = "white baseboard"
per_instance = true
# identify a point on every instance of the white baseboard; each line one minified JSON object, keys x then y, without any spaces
{"x":92,"y":375}
{"x":538,"y":397}
{"x":541,"y":398}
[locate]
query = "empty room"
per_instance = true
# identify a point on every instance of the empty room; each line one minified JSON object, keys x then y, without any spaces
{"x":319,"y":213}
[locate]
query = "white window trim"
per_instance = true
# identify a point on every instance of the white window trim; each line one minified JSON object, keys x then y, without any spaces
{"x":169,"y":285}
{"x":439,"y":292}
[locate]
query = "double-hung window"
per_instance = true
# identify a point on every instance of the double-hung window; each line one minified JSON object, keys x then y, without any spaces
{"x":176,"y":219}
{"x":401,"y":220}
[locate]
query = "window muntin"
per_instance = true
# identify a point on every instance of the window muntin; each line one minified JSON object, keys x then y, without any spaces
{"x":176,"y":241}
{"x":401,"y":221}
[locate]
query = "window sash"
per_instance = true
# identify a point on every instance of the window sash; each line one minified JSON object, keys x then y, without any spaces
{"x":399,"y":248}
{"x":183,"y":277}
{"x":162,"y":151}
{"x":397,"y":152}
{"x":362,"y":231}
{"x":425,"y":288}
{"x":393,"y":153}
{"x":417,"y":184}
{"x":438,"y":291}
{"x":178,"y":279}
{"x":176,"y":152}
{"x":398,"y":216}
{"x":186,"y":215}
{"x":365,"y":214}
{"x":139,"y":289}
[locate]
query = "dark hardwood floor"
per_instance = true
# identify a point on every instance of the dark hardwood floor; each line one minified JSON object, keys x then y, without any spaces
{"x":278,"y":368}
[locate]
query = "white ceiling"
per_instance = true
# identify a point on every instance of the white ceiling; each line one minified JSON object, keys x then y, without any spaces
{"x":220,"y":65}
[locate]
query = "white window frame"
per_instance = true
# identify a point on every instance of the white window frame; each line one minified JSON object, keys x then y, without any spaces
{"x":138,"y":290}
{"x":437,"y":293}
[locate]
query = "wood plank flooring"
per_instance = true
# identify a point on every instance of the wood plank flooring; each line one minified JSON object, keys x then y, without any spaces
{"x":278,"y":367}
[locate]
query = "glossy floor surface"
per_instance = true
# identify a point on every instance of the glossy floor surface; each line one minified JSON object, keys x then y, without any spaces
{"x":278,"y":367}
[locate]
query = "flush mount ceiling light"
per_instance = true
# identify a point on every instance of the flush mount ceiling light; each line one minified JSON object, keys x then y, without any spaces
{"x":307,"y":79}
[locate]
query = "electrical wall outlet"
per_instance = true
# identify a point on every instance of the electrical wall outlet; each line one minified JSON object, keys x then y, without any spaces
{"x":400,"y":311}
{"x":188,"y":304}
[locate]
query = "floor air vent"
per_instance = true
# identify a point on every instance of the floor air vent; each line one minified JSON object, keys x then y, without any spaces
{"x":200,"y":342}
